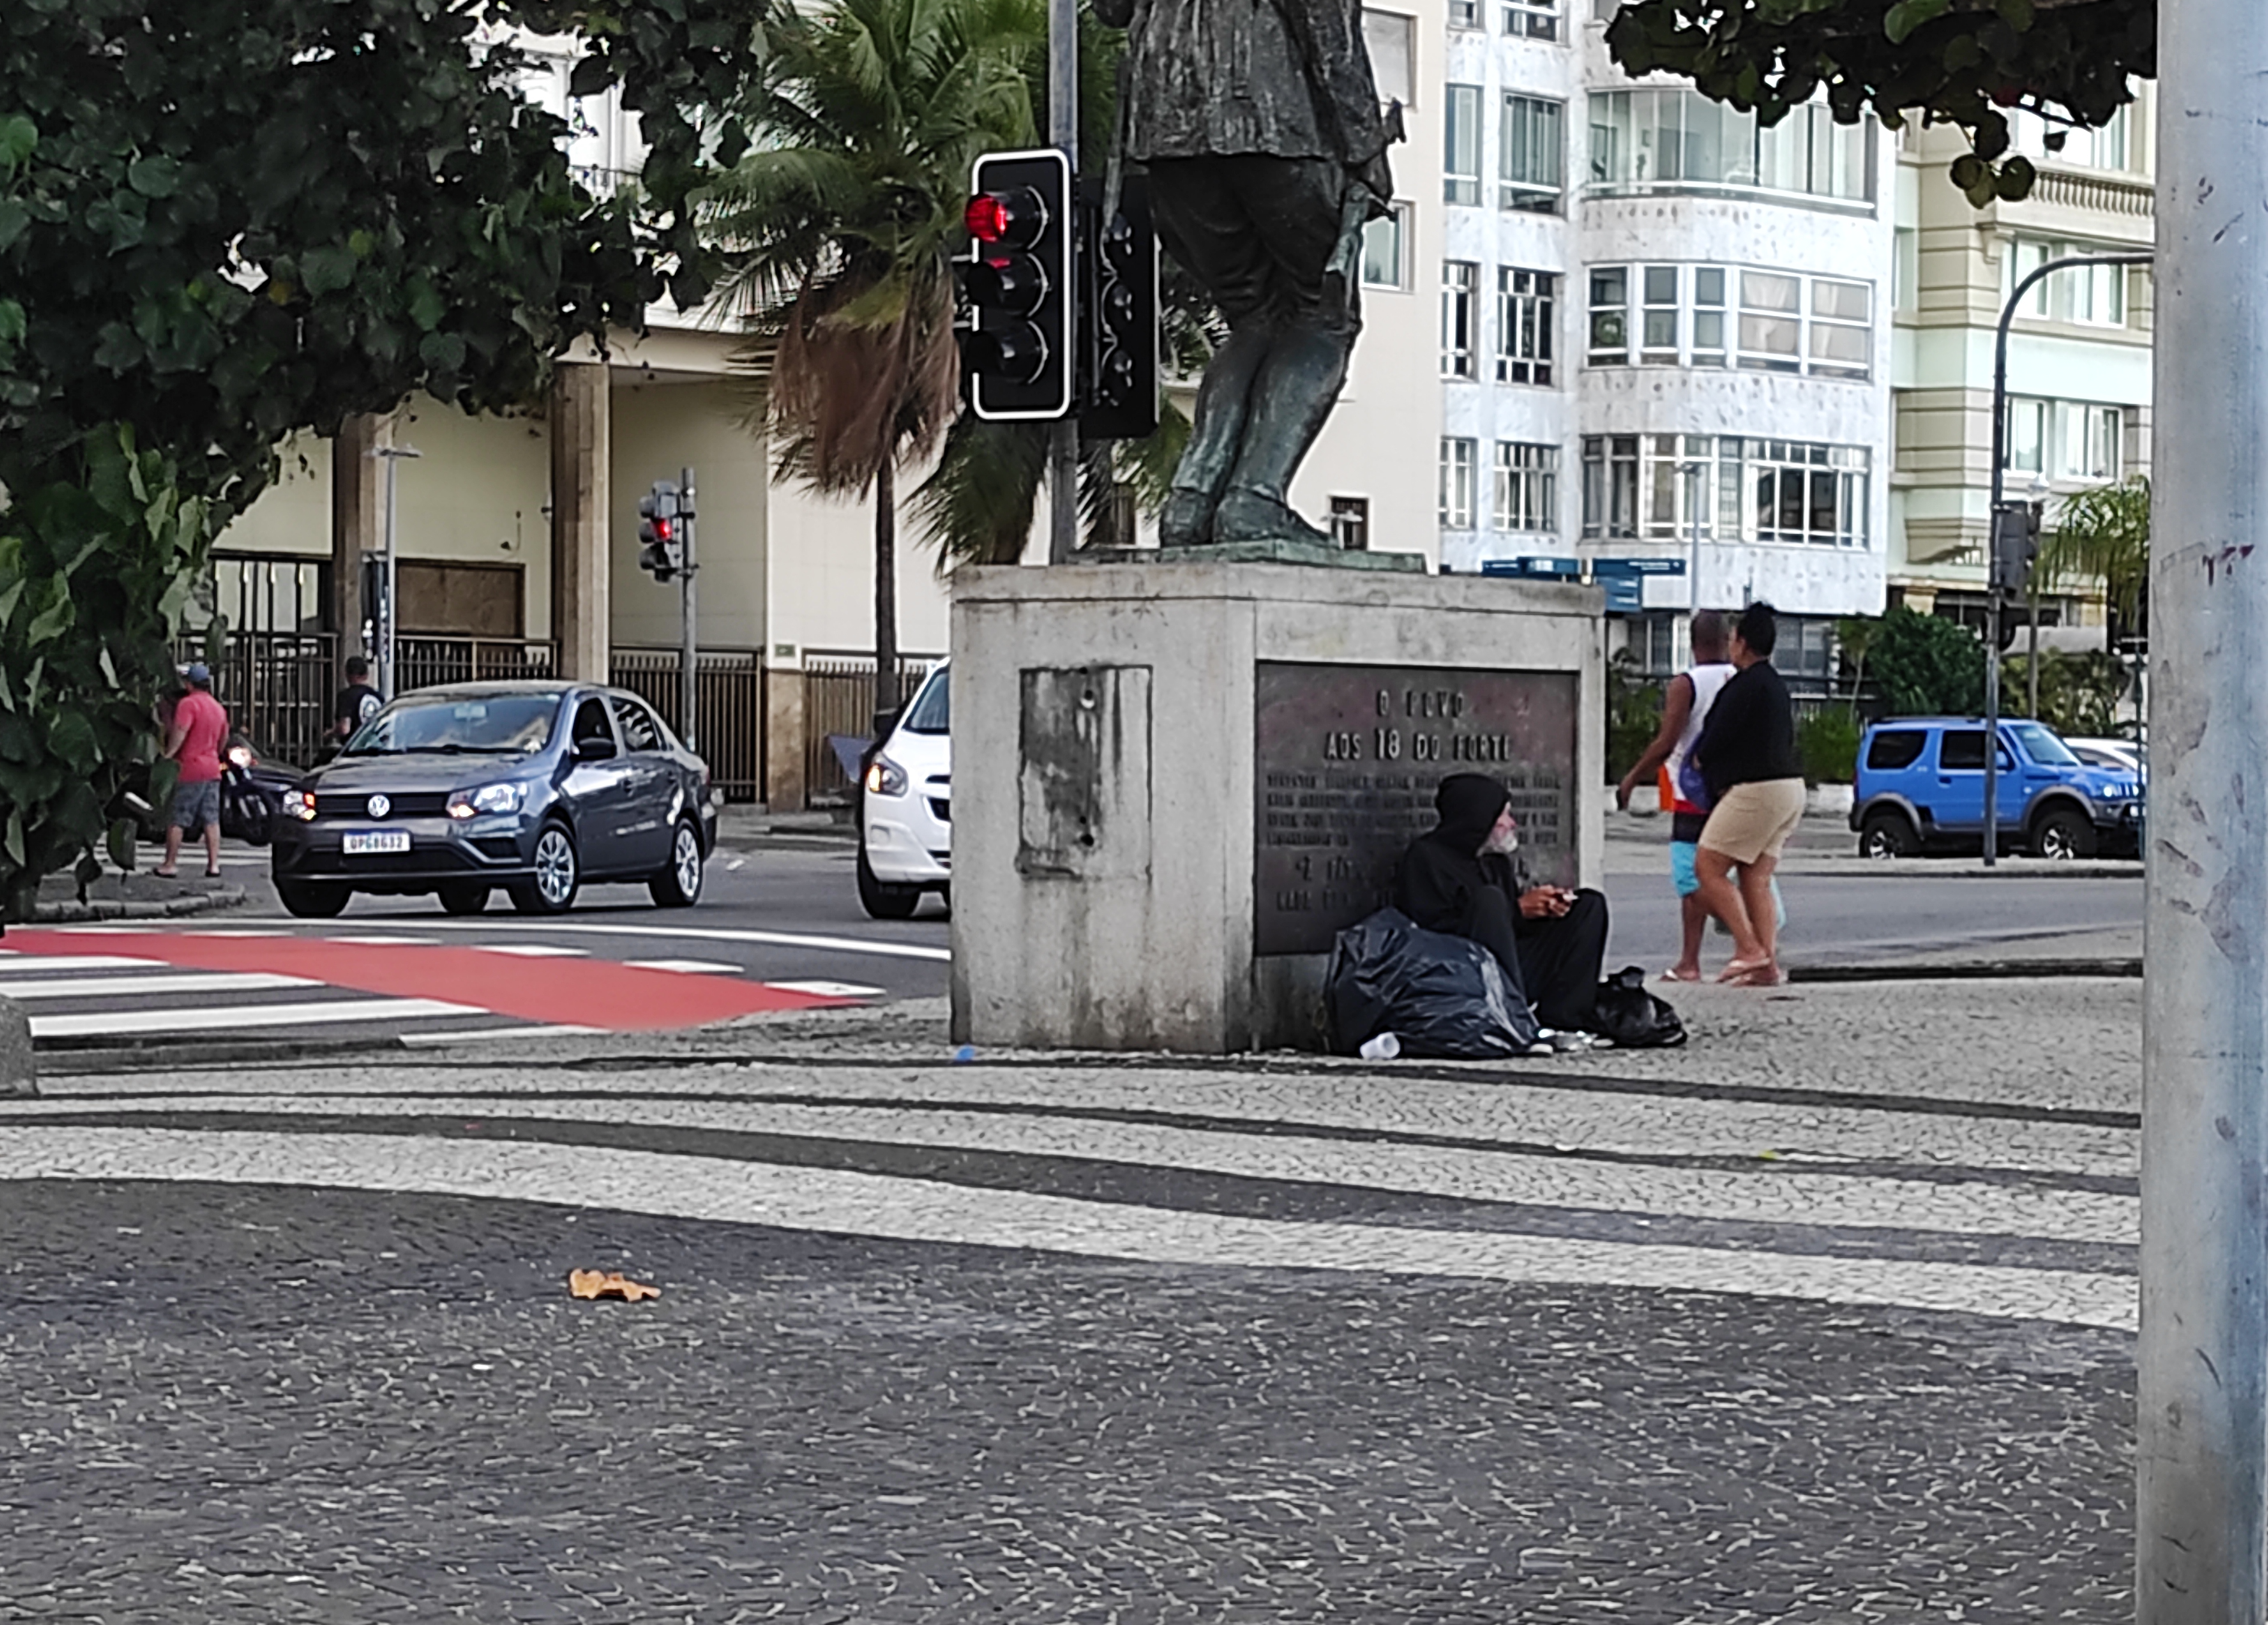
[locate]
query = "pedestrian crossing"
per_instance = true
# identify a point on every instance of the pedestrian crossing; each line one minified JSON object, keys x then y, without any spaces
{"x":87,"y":988}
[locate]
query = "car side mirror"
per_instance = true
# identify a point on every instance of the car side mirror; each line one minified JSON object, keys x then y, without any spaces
{"x":594,"y":750}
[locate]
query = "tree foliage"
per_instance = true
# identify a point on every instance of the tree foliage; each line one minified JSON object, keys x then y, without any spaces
{"x":1957,"y":62}
{"x":1927,"y":665}
{"x":225,"y":221}
{"x":2102,"y":537}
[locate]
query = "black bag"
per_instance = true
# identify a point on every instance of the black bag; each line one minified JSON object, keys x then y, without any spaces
{"x":1441,"y":995}
{"x":1630,"y":1016}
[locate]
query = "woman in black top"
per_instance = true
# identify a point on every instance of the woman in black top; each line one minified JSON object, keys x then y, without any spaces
{"x":1746,"y":759}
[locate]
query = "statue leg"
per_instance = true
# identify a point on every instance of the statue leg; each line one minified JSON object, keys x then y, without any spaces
{"x":1291,"y":399}
{"x":1223,"y":408}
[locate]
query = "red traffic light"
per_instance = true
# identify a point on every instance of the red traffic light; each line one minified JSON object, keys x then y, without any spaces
{"x":1014,"y":217}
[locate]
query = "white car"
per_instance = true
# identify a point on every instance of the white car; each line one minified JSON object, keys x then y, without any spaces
{"x":2107,"y":754}
{"x":905,"y":827}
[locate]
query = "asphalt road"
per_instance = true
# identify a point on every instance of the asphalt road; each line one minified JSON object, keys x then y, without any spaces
{"x":780,"y":928}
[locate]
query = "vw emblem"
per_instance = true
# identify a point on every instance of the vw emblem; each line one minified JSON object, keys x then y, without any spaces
{"x":378,"y":806}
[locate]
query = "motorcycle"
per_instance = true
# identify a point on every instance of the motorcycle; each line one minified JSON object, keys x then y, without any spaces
{"x":251,"y":792}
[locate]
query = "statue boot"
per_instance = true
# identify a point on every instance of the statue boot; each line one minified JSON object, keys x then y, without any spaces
{"x":1291,"y":400}
{"x":1223,"y":411}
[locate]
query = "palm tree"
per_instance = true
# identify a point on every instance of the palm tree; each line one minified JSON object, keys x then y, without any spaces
{"x":2103,"y":534}
{"x":843,"y":217}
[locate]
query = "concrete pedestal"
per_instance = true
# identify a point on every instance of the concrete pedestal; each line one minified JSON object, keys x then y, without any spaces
{"x":18,"y":1072}
{"x":1175,"y":782}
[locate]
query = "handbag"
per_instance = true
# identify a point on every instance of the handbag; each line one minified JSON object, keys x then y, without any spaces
{"x":1629,"y":1015}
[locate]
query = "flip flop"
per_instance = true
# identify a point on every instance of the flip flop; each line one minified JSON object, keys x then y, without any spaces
{"x":1671,"y":975}
{"x":1738,"y":971}
{"x":1762,"y":977}
{"x":166,"y":874}
{"x":212,"y":874}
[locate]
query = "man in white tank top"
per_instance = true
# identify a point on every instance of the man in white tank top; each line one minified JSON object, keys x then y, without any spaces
{"x":1684,"y":707}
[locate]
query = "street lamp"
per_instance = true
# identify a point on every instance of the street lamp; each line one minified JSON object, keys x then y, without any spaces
{"x":2024,"y":285}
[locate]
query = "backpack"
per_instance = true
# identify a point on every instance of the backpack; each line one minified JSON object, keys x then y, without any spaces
{"x":1631,"y":1016}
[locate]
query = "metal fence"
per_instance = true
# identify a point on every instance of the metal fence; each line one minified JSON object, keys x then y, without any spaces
{"x":278,"y":688}
{"x":838,"y":698}
{"x":423,"y":662}
{"x":730,"y":689}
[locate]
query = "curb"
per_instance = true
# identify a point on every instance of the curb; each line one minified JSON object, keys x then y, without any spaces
{"x":171,"y":908}
{"x":20,"y":1071}
{"x":1968,"y":970}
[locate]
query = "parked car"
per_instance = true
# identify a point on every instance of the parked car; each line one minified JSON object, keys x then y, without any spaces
{"x":905,"y":807}
{"x":1921,"y":787}
{"x":535,"y":787}
{"x":2107,"y":753}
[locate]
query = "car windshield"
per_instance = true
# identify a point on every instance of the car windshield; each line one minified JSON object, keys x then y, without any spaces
{"x":512,"y":723}
{"x":2043,"y":746}
{"x":931,"y":711}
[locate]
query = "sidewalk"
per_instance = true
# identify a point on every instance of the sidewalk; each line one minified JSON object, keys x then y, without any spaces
{"x":1825,"y":844}
{"x":137,"y":896}
{"x":743,"y":826}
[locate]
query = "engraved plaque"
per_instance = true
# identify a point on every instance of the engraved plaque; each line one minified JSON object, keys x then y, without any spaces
{"x":1346,"y":759}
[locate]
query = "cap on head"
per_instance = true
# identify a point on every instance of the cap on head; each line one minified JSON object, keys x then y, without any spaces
{"x":199,"y":675}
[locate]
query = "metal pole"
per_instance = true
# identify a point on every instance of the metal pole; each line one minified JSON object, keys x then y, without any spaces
{"x":1992,"y":592}
{"x":386,"y":619}
{"x":688,"y":654}
{"x":1063,"y":131}
{"x":2201,"y":1399}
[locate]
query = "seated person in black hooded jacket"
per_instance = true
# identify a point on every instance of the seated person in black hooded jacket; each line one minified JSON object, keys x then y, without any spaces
{"x":1462,"y":878}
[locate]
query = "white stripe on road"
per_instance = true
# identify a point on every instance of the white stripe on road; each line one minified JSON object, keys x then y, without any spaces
{"x":385,"y":942}
{"x":21,"y":963}
{"x":532,"y":951}
{"x":144,"y":987}
{"x":480,"y":1035}
{"x":691,"y":967}
{"x":212,"y":1018}
{"x":775,"y":939}
{"x":828,"y":989}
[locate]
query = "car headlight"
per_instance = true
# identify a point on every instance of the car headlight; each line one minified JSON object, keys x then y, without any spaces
{"x":488,"y":799}
{"x":299,"y":804}
{"x":241,"y":755}
{"x":885,"y":778}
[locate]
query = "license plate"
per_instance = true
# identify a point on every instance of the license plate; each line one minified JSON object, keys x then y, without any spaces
{"x":357,"y":842}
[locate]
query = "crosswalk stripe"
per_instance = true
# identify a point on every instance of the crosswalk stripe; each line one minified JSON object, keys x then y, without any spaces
{"x":149,"y":986}
{"x":829,"y":989}
{"x":691,"y":967}
{"x":533,"y":951}
{"x":20,"y":964}
{"x":212,"y":1018}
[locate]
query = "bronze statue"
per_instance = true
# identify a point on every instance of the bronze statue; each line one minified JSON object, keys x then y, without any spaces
{"x":1259,"y":124}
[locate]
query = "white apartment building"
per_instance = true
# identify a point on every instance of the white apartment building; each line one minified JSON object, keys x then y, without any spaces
{"x":1663,"y":331}
{"x":2078,"y":352}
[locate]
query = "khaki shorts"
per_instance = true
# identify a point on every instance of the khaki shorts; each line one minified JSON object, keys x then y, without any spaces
{"x":1754,"y":820}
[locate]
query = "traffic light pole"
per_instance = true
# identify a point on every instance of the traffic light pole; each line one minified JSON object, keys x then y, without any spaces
{"x":1994,"y":596}
{"x":2201,"y":1398}
{"x":1063,"y":132}
{"x":689,"y":653}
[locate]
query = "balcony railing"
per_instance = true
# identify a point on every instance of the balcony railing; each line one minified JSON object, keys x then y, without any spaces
{"x":2109,"y":194}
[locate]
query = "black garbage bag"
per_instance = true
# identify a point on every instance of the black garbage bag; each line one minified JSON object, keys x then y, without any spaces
{"x":1440,"y":996}
{"x":1630,"y":1016}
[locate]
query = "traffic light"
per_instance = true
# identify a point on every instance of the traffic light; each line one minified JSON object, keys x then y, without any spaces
{"x":660,"y":548}
{"x":2015,"y":546}
{"x":1117,"y":314}
{"x":1016,"y":283}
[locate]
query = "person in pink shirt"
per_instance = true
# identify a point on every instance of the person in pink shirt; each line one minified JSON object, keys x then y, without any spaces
{"x":194,"y":739}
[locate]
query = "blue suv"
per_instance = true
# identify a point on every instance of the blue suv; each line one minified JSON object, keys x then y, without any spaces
{"x":1921,"y":787}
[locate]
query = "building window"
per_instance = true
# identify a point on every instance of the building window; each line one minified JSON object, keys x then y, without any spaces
{"x":1667,"y":487}
{"x":1457,"y":484}
{"x":1460,"y":282}
{"x":1709,"y":315}
{"x":1527,"y":305}
{"x":1351,"y":523}
{"x":2074,"y":146}
{"x":2065,"y":439}
{"x":1772,"y":321}
{"x":1382,"y":241}
{"x":1905,"y":269}
{"x":1464,"y":13}
{"x":1462,"y":144}
{"x":1675,"y":139}
{"x":1527,"y":487}
{"x":1610,"y":315}
{"x":1387,"y":35}
{"x":1842,"y":328}
{"x":1531,"y":20}
{"x":1528,"y":170}
{"x":2092,"y":295}
{"x":1658,"y":334}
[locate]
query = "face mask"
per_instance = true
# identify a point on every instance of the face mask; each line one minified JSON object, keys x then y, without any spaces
{"x":1504,"y":843}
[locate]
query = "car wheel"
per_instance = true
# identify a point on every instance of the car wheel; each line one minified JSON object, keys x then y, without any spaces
{"x":1887,"y":833}
{"x":679,"y":885}
{"x":464,"y":899}
{"x":558,"y":875}
{"x":882,"y":900}
{"x":2063,"y":834}
{"x":311,"y":900}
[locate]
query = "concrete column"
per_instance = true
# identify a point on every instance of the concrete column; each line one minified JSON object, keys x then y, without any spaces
{"x":356,"y":525}
{"x":785,"y":790}
{"x":582,"y":455}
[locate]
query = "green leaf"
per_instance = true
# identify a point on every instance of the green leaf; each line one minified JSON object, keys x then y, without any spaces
{"x":2016,"y":13}
{"x":14,"y":841}
{"x":327,"y":270}
{"x":154,"y":177}
{"x":18,"y":138}
{"x":1900,"y":21}
{"x":426,"y":306}
{"x":2016,"y":178}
